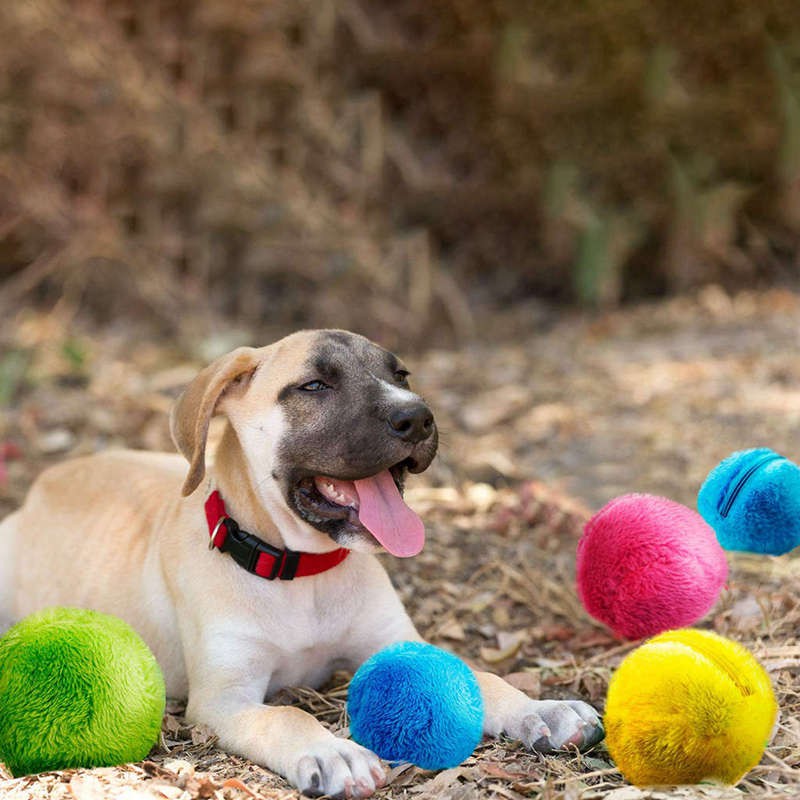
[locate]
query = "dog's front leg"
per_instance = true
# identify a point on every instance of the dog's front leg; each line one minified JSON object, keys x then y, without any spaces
{"x":292,"y":743}
{"x":543,"y":725}
{"x":226,"y":692}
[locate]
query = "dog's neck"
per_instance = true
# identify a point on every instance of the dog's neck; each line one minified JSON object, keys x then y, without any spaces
{"x":233,"y":481}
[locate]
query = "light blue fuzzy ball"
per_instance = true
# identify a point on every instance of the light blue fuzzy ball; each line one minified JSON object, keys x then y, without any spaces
{"x":752,"y":501}
{"x":414,"y":702}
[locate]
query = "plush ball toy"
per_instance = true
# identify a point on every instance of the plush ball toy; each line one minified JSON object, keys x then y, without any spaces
{"x":77,"y":689}
{"x":414,"y":702}
{"x":689,"y":706}
{"x":752,"y":500}
{"x":647,"y":564}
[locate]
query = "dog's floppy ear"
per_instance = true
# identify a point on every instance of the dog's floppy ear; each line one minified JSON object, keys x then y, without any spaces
{"x":192,"y":412}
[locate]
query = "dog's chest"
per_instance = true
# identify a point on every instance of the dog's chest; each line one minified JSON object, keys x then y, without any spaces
{"x":305,"y":633}
{"x":311,"y":667}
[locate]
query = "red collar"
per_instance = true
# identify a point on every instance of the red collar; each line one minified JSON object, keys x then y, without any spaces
{"x":257,"y":556}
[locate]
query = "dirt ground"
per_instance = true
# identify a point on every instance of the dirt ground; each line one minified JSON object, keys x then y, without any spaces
{"x":543,"y":421}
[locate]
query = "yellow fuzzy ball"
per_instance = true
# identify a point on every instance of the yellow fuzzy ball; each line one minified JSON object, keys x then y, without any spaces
{"x":689,"y":706}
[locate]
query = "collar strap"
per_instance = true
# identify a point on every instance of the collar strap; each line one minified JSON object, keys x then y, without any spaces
{"x":258,"y":557}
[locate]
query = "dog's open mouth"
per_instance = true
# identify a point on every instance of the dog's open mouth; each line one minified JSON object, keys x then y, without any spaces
{"x":373,"y":503}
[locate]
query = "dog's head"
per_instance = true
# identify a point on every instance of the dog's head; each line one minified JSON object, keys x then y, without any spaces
{"x":328,"y":426}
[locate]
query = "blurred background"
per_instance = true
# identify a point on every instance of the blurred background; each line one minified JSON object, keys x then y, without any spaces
{"x":399,"y":168}
{"x":546,"y":205}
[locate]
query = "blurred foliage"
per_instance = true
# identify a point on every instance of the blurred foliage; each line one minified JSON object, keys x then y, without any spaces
{"x":392,"y":167}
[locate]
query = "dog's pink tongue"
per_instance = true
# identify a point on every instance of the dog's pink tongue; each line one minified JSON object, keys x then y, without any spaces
{"x":383,"y":513}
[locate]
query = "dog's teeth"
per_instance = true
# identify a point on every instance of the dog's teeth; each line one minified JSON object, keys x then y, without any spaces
{"x":337,"y":492}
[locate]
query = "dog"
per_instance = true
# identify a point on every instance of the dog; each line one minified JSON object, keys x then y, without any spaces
{"x":261,"y":573}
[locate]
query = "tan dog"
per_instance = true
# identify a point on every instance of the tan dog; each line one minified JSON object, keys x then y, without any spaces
{"x":321,"y":430}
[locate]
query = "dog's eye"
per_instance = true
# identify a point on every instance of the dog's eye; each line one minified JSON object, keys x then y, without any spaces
{"x":401,"y":376}
{"x":313,"y":386}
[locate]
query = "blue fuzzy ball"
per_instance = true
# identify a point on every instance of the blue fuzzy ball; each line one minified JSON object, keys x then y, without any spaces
{"x":752,"y":501}
{"x":414,"y":702}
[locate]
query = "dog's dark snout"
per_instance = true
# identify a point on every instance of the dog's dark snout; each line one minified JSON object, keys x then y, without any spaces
{"x":412,"y":423}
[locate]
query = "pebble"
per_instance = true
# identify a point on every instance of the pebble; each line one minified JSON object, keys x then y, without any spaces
{"x":57,"y":440}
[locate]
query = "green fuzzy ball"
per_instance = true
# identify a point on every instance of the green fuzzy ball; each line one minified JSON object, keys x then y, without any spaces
{"x":77,"y":689}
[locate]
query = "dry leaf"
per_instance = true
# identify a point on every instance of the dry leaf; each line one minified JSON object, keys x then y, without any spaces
{"x":496,"y":770}
{"x":557,"y":633}
{"x":201,"y":734}
{"x":486,"y":411}
{"x":442,"y":780}
{"x":236,"y":783}
{"x":168,"y":791}
{"x":591,"y":638}
{"x":86,"y":787}
{"x":506,"y":639}
{"x":746,"y":614}
{"x":528,"y":682}
{"x":626,"y":793}
{"x":452,"y":629}
{"x":508,"y":644}
{"x":482,"y":496}
{"x":133,"y":793}
{"x":183,"y":770}
{"x":204,"y":787}
{"x":171,"y":724}
{"x":402,"y":775}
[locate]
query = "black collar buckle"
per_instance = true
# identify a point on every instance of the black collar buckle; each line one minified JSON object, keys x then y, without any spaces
{"x":246,"y":550}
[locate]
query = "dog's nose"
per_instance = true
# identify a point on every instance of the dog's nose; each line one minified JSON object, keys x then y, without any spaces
{"x":412,"y":423}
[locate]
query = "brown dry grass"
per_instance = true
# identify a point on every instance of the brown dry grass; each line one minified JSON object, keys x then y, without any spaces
{"x":247,"y":156}
{"x":538,"y":427}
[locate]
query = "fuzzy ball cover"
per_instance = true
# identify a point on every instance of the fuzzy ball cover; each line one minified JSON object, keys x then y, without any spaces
{"x":752,"y":501}
{"x":689,"y":706}
{"x":77,"y":689}
{"x":414,"y":702}
{"x":647,"y":564}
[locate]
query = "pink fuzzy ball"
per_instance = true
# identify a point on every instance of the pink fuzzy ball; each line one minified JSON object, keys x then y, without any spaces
{"x":647,"y":564}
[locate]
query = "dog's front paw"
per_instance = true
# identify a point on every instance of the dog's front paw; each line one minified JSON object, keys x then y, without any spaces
{"x":553,"y":725}
{"x":338,"y":768}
